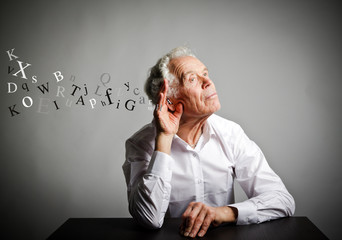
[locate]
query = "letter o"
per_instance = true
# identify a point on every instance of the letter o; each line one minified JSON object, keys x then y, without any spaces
{"x":24,"y":103}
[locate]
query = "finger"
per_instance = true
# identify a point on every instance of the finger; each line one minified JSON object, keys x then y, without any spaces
{"x":191,"y":219}
{"x":166,"y":86}
{"x":184,"y":218}
{"x":162,"y":96}
{"x":161,"y":102}
{"x":198,"y":223}
{"x":163,"y":87}
{"x":205,"y":225}
{"x":164,"y":90}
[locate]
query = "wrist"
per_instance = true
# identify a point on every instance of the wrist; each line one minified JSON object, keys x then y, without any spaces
{"x":227,"y":214}
{"x":164,"y":135}
{"x":163,"y":142}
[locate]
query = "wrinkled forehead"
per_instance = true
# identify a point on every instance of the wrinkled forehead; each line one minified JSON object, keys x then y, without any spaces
{"x":182,"y":65}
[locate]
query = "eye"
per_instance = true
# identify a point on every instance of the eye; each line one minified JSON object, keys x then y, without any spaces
{"x":192,"y":78}
{"x":205,"y":74}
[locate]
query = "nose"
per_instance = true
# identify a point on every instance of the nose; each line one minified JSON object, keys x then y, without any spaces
{"x":206,"y":82}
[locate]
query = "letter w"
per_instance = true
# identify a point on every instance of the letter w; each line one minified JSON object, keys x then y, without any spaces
{"x":42,"y":88}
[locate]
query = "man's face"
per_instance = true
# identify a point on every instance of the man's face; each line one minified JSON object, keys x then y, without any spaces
{"x":196,"y":90}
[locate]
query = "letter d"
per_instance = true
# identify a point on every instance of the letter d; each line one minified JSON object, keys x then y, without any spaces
{"x":9,"y":87}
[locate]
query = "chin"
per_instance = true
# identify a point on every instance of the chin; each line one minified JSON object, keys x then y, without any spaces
{"x":216,"y":106}
{"x":214,"y":109}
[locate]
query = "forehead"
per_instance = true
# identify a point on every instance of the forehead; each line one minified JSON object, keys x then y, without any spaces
{"x":183,"y":65}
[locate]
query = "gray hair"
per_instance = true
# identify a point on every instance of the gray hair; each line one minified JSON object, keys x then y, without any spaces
{"x":160,"y":70}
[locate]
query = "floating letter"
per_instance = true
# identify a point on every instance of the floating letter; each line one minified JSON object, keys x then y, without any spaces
{"x":132,"y":107}
{"x":10,"y":69}
{"x":108,"y":96}
{"x":10,"y":54}
{"x":101,"y":78}
{"x":41,"y":105}
{"x":9,"y":87}
{"x":58,"y":75}
{"x":80,"y":100}
{"x":21,"y":69}
{"x":92,"y":102}
{"x":59,"y":91}
{"x":76,"y":87}
{"x":127,"y":85}
{"x":12,"y":110}
{"x":25,"y":87}
{"x":135,"y":92}
{"x":43,"y":89}
{"x":24,"y":103}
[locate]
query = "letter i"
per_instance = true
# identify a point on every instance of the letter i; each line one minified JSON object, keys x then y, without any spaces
{"x":56,"y":105}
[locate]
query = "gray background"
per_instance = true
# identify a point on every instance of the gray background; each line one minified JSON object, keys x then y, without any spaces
{"x":276,"y":65}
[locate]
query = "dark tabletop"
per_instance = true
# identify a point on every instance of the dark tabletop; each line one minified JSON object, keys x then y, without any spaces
{"x":126,"y":228}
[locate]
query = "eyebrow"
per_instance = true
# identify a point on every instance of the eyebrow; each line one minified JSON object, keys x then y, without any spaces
{"x":187,"y":73}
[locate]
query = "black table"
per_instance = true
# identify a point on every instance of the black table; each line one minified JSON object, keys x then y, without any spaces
{"x":126,"y":229}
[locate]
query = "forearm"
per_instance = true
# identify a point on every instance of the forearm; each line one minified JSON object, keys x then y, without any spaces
{"x":265,"y":207}
{"x":163,"y":142}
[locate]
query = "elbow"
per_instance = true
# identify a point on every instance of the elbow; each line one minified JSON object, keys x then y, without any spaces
{"x":148,"y":222}
{"x":292,"y":206}
{"x":285,"y":204}
{"x":147,"y":212}
{"x":145,"y":218}
{"x":152,"y":224}
{"x":289,"y":205}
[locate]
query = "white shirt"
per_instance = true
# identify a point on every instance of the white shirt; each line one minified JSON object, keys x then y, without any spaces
{"x":160,"y":185}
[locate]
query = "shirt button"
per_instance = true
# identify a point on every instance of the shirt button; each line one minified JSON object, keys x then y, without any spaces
{"x":194,"y":154}
{"x":199,"y":181}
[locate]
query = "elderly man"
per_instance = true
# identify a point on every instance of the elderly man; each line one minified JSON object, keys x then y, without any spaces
{"x":183,"y":164}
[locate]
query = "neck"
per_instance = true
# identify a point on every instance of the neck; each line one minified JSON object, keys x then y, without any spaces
{"x":190,"y":130}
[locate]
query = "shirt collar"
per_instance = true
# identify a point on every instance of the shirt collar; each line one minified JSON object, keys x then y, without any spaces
{"x":206,"y":135}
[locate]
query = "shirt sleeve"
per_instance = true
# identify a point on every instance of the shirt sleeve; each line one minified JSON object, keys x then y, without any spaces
{"x":148,"y":179}
{"x":268,"y":196}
